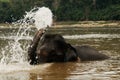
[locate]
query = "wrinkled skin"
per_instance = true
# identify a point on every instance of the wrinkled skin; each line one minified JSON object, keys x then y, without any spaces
{"x":53,"y":48}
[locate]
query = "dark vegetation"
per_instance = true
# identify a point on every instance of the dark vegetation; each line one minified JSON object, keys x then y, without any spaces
{"x":63,"y":10}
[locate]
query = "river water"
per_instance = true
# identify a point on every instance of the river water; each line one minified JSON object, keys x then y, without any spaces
{"x":104,"y":39}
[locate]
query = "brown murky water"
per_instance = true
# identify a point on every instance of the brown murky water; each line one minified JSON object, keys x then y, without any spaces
{"x":104,"y":39}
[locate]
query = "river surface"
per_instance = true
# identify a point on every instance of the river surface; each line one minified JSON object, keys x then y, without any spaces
{"x":104,"y":39}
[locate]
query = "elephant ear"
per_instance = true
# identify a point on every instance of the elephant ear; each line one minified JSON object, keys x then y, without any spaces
{"x":71,"y":54}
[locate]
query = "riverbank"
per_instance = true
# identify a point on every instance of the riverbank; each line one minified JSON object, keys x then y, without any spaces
{"x":76,"y":24}
{"x":88,"y":24}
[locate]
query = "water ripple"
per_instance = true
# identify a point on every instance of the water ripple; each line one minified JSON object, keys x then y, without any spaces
{"x":16,"y":37}
{"x":92,"y":36}
{"x":85,"y":36}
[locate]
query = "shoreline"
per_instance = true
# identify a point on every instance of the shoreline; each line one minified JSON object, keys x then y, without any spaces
{"x":75,"y":24}
{"x":88,"y":24}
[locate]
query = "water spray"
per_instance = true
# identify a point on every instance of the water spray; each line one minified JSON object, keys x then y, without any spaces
{"x":14,"y":56}
{"x":39,"y":17}
{"x":42,"y":18}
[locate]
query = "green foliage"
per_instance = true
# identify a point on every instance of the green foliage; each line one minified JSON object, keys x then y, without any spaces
{"x":63,"y":10}
{"x":4,"y":0}
{"x":109,"y":13}
{"x":5,"y":12}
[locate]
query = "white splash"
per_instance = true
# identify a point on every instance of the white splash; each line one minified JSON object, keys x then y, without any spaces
{"x":42,"y":17}
{"x":13,"y":56}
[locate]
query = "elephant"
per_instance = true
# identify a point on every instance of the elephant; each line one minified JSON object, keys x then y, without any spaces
{"x":47,"y":48}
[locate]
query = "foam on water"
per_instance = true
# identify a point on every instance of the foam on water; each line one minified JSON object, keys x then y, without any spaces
{"x":14,"y":55}
{"x":15,"y":76}
{"x":91,"y":36}
{"x":14,"y":67}
{"x":83,"y":36}
{"x":14,"y":37}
